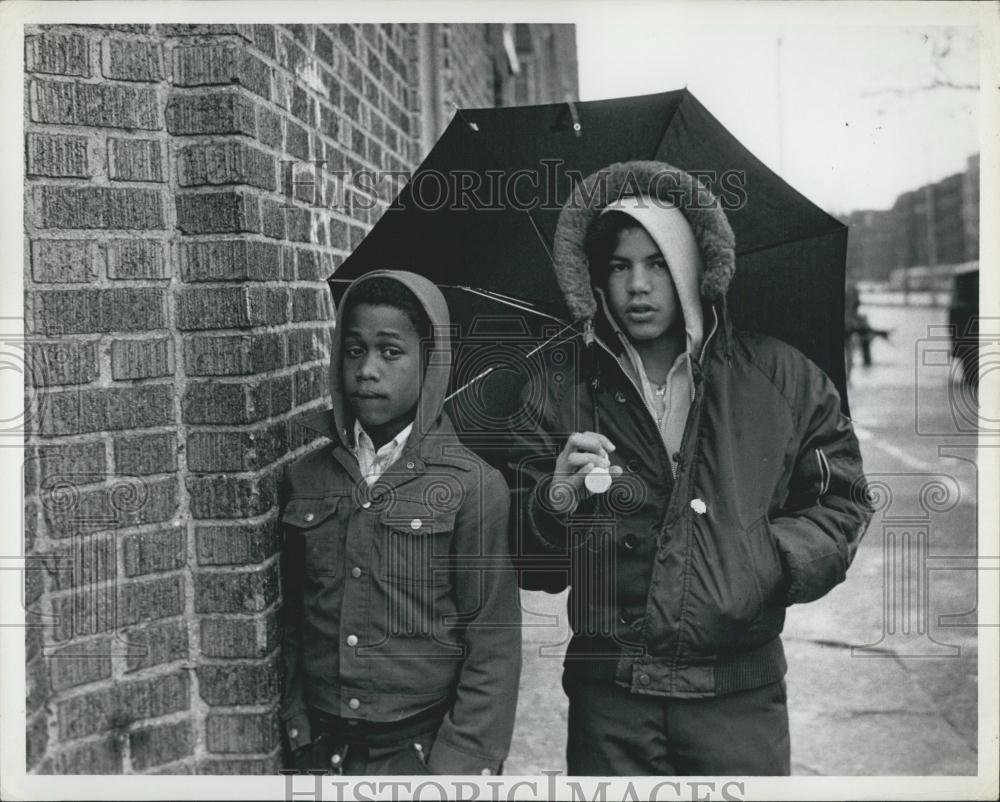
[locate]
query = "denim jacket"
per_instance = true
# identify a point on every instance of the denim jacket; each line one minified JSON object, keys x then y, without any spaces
{"x":401,"y":595}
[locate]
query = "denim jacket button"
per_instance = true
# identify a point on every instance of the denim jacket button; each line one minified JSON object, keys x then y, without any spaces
{"x":356,"y":572}
{"x":352,"y":640}
{"x":293,"y":733}
{"x":416,"y":523}
{"x":409,"y":465}
{"x":486,"y":772}
{"x":365,"y":505}
{"x":354,"y":704}
{"x":308,"y":517}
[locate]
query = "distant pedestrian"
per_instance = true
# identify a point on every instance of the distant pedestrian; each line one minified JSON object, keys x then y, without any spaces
{"x":402,"y":645}
{"x":734,"y":486}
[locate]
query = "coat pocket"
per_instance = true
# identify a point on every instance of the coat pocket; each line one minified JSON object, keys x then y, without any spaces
{"x":767,"y":570}
{"x":313,"y":520}
{"x":416,"y":544}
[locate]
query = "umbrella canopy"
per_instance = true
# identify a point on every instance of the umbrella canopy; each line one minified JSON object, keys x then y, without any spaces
{"x":481,"y":210}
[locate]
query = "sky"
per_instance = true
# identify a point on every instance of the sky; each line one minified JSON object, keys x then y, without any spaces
{"x":833,"y":135}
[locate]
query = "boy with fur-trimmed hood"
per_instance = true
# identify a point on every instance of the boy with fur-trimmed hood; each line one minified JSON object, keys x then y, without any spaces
{"x":402,"y":644}
{"x":736,"y":489}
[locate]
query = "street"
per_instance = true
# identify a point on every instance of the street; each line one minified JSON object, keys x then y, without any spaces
{"x":882,"y":671}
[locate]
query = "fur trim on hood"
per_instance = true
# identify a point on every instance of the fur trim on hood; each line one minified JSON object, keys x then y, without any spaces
{"x":659,"y":181}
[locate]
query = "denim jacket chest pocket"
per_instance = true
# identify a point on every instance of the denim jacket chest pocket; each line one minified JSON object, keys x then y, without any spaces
{"x":315,"y":520}
{"x":415,"y":543}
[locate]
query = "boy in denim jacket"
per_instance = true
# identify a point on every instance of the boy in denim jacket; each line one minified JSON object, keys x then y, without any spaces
{"x":402,"y":621}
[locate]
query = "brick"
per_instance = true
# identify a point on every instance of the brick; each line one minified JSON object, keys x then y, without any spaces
{"x":324,"y":47}
{"x":212,"y":113}
{"x":141,"y":359}
{"x":141,"y":455}
{"x":303,"y":106}
{"x":239,"y":544}
{"x":296,"y":140}
{"x":347,"y":37}
{"x":107,"y":409}
{"x":58,"y":54}
{"x":310,"y":384}
{"x":222,"y":591}
{"x":116,"y":708}
{"x":135,"y":160}
{"x":125,"y":501}
{"x":101,"y":311}
{"x":219,"y":64}
{"x":242,"y":733}
{"x":272,"y":218}
{"x":222,"y":496}
{"x":136,"y":259}
{"x":236,"y":402}
{"x":162,"y":743}
{"x":244,"y":767}
{"x":152,"y":552}
{"x":218,"y":213}
{"x":62,"y":363}
{"x":298,"y":224}
{"x":339,"y":234}
{"x":155,"y":643}
{"x":131,"y":60}
{"x":232,"y":355}
{"x":36,"y":739}
{"x":310,"y":304}
{"x":215,"y":163}
{"x":202,"y":308}
{"x":103,"y":756}
{"x":242,"y":684}
{"x":224,"y":636}
{"x":287,"y":261}
{"x":150,"y":600}
{"x":308,"y":345}
{"x":36,"y":683}
{"x":68,"y":261}
{"x":269,"y":126}
{"x":85,"y":561}
{"x":46,"y":461}
{"x":212,"y":29}
{"x":95,"y":105}
{"x":329,"y":122}
{"x":239,"y":450}
{"x":228,"y":260}
{"x":89,"y":611}
{"x":99,"y":207}
{"x":308,"y":267}
{"x":57,"y":156}
{"x":263,"y":38}
{"x":80,"y":664}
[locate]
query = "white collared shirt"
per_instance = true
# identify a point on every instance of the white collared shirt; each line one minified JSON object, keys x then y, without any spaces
{"x":371,"y":463}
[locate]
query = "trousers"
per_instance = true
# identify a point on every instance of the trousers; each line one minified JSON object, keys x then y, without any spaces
{"x":613,"y":732}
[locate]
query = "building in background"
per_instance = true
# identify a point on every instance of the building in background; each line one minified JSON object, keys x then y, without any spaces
{"x":932,"y":228}
{"x":177,"y":327}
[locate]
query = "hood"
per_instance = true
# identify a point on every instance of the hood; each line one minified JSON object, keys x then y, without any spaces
{"x":664,"y":183}
{"x":436,"y":358}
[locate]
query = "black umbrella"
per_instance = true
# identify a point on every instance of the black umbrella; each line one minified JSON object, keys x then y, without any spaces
{"x":479,"y":214}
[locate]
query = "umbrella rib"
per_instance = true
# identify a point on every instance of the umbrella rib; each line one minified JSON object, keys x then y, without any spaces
{"x":530,"y":353}
{"x":517,"y":303}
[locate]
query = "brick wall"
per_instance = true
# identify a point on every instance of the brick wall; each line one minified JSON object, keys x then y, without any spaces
{"x":177,"y":241}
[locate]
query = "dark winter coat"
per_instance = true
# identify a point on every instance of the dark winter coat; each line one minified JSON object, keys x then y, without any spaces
{"x":679,"y":584}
